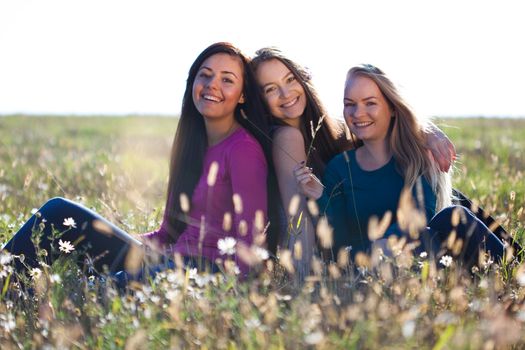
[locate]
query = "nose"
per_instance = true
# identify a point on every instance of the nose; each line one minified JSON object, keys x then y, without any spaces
{"x":284,"y":92}
{"x":211,"y":82}
{"x":358,"y":110}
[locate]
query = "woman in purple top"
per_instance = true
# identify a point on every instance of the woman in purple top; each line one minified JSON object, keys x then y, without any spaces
{"x":219,"y":159}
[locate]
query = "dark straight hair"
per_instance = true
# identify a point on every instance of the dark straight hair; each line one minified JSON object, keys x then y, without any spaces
{"x":331,"y":139}
{"x":190,"y":144}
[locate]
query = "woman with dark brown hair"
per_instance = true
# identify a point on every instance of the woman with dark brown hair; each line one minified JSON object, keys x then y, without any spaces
{"x":220,"y":171}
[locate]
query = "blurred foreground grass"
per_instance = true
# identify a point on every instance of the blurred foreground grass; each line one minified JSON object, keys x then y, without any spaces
{"x":119,"y":167}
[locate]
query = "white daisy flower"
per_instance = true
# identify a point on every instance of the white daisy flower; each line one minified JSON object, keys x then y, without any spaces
{"x":65,"y":246}
{"x":227,"y":245}
{"x":35,"y":273}
{"x":446,"y":260}
{"x":69,"y":222}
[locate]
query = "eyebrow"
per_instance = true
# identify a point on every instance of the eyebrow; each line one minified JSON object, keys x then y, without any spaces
{"x":223,"y":72}
{"x":283,"y":78}
{"x":364,"y":99}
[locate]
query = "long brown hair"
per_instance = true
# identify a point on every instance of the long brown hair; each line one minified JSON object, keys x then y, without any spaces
{"x":407,"y":138}
{"x":330,"y":140}
{"x":190,"y":143}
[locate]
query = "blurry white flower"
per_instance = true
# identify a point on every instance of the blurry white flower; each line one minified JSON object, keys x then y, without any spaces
{"x":55,"y":278}
{"x":172,"y":294}
{"x":65,"y":246}
{"x":35,"y":273}
{"x":192,"y":273}
{"x":314,"y":338}
{"x":446,"y":260}
{"x":423,"y":255}
{"x":69,"y":222}
{"x":9,"y":323}
{"x":227,"y":246}
{"x":5,"y":258}
{"x":261,"y":253}
{"x":408,"y":328}
{"x":6,"y":271}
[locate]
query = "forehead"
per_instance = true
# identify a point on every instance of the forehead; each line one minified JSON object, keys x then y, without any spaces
{"x":361,"y":86}
{"x":271,"y":71}
{"x":223,"y":62}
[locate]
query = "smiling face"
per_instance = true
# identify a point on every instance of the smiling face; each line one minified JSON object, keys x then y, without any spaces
{"x":218,"y":86}
{"x":366,"y":110}
{"x":282,"y":92}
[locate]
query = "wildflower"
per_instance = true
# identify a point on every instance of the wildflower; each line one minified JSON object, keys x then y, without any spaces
{"x":261,"y":253}
{"x":227,"y":246}
{"x":65,"y":246}
{"x":423,"y":255}
{"x":69,"y":222}
{"x":314,"y":338}
{"x":55,"y":278}
{"x":6,"y":271}
{"x":408,"y":328}
{"x":9,"y":323}
{"x":35,"y":273}
{"x":192,"y":273}
{"x":446,"y":260}
{"x":5,"y":258}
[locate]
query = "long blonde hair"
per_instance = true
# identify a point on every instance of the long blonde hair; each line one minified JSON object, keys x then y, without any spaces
{"x":407,"y":138}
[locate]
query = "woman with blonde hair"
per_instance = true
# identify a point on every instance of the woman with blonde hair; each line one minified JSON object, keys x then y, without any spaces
{"x":390,"y":159}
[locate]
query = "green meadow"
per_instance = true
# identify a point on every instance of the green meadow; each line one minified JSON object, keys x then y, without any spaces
{"x":119,"y":167}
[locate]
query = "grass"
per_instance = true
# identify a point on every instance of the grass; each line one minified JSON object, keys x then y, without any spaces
{"x":119,"y":167}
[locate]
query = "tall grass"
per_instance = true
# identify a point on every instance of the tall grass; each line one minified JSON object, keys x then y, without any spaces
{"x":118,"y":166}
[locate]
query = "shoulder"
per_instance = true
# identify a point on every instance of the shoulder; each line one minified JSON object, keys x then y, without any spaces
{"x":244,"y":145}
{"x":287,"y":134}
{"x":243,"y":138}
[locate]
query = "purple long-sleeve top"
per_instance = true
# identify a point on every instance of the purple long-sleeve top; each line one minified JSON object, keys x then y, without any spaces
{"x":242,"y":170}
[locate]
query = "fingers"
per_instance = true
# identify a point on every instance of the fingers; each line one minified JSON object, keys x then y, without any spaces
{"x":444,"y":154}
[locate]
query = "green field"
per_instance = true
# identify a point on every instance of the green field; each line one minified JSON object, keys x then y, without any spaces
{"x":119,"y":167}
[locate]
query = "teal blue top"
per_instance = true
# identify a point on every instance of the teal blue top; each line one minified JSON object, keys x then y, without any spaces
{"x":363,"y":195}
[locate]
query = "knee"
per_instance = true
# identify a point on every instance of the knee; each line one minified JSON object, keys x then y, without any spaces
{"x":54,"y":202}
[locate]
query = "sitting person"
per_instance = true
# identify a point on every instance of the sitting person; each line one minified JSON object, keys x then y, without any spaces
{"x":390,"y":156}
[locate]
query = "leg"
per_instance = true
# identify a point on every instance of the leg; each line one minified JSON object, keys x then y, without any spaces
{"x":471,"y":230}
{"x":105,"y":248}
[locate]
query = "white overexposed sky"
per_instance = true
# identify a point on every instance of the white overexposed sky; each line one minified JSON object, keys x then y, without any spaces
{"x":451,"y":58}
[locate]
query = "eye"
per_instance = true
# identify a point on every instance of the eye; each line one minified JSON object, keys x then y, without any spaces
{"x":349,"y":104}
{"x":227,"y":80}
{"x":291,"y":79}
{"x":203,"y":75}
{"x":371,"y":103}
{"x":270,"y":89}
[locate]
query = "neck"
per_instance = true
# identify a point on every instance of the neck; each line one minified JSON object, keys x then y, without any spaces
{"x":219,"y":129}
{"x":294,"y":123}
{"x":373,"y":154}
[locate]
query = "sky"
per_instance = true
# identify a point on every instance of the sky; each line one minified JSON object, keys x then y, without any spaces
{"x":449,"y":58}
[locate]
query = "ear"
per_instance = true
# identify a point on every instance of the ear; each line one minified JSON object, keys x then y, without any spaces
{"x":242,"y":99}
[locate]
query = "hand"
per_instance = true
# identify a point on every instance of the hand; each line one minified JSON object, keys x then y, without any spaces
{"x":308,"y":183}
{"x":441,"y":148}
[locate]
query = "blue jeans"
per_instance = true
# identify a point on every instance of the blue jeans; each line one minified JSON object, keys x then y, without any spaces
{"x":471,"y":230}
{"x":108,"y":248}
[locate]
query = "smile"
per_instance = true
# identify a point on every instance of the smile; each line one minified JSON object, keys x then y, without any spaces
{"x":291,"y":103}
{"x":363,"y":124}
{"x":211,"y":98}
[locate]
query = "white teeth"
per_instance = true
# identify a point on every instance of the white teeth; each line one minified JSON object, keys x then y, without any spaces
{"x":211,"y":98}
{"x":291,"y":103}
{"x":362,"y":124}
